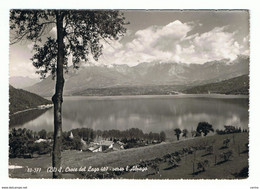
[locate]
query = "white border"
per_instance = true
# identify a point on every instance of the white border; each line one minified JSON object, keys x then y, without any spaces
{"x":134,"y":4}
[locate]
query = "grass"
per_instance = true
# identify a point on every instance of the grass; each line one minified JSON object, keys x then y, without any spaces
{"x":186,"y":169}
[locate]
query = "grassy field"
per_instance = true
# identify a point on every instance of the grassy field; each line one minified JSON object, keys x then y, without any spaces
{"x":150,"y":155}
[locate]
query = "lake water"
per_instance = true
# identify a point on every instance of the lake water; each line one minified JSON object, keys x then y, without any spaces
{"x":149,"y":113}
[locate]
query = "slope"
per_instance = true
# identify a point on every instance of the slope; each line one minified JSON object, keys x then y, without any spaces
{"x":20,"y":100}
{"x":237,"y":85}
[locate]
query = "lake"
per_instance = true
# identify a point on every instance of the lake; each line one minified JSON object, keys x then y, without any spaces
{"x":149,"y":113}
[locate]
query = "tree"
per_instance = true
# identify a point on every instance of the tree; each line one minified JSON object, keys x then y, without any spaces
{"x":162,"y":136}
{"x":204,"y":127}
{"x":229,"y":129}
{"x":177,"y":133}
{"x":19,"y":142}
{"x":184,"y":133}
{"x":79,"y":33}
{"x":42,"y":134}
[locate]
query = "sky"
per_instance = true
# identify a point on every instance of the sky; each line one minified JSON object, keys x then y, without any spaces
{"x":162,"y":36}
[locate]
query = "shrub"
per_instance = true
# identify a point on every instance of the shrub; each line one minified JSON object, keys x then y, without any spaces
{"x":177,"y":133}
{"x":204,"y":127}
{"x":201,"y":165}
{"x":225,"y":156}
{"x":42,"y":134}
{"x":226,"y":142}
{"x":184,"y":133}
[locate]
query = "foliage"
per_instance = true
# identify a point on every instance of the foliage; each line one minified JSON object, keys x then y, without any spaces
{"x":19,"y":140}
{"x":226,"y":142}
{"x":86,"y":134}
{"x":162,"y":136}
{"x":184,"y":133}
{"x":174,"y":161}
{"x":129,"y":90}
{"x":201,"y":165}
{"x":69,"y":143}
{"x":42,"y":148}
{"x":228,"y":130}
{"x":79,"y":33}
{"x":22,"y":143}
{"x":177,"y":133}
{"x":237,"y":85}
{"x":225,"y":156}
{"x":83,"y":31}
{"x":42,"y":134}
{"x":204,"y":127}
{"x":155,"y":167}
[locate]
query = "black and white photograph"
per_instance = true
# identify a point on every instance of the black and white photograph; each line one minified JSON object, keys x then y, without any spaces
{"x":129,"y":94}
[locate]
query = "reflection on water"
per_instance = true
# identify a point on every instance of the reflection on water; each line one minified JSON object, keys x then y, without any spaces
{"x":154,"y":113}
{"x":24,"y":117}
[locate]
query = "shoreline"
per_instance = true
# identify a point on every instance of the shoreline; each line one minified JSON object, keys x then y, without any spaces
{"x":221,"y":96}
{"x":40,"y":107}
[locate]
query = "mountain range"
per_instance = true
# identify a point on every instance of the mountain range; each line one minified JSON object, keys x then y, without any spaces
{"x":145,"y":74}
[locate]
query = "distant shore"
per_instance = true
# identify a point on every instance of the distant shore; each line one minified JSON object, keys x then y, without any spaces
{"x":46,"y":106}
{"x":182,"y":95}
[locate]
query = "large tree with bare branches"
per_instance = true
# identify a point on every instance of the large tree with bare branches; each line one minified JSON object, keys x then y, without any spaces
{"x":79,"y":34}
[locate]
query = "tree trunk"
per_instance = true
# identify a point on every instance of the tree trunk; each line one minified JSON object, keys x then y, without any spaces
{"x":57,"y":99}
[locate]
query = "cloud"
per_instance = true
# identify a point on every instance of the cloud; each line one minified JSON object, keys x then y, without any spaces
{"x":172,"y":42}
{"x":216,"y":44}
{"x":23,"y":68}
{"x":30,"y":46}
{"x":53,"y":32}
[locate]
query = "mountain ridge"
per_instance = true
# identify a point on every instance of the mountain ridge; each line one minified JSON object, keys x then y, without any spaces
{"x":236,"y":86}
{"x":143,"y":74}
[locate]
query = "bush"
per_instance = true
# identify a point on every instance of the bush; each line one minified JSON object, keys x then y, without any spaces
{"x":184,"y":133}
{"x":226,"y":142}
{"x":204,"y":127}
{"x":20,"y":142}
{"x":177,"y":133}
{"x":226,"y":155}
{"x":201,"y":165}
{"x":42,"y":134}
{"x":228,"y":130}
{"x":42,"y":148}
{"x":162,"y":136}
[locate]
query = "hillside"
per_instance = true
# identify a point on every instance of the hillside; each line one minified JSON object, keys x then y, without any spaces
{"x":237,"y":85}
{"x":20,"y":100}
{"x":91,"y":76}
{"x":130,"y":90}
{"x":216,"y":169}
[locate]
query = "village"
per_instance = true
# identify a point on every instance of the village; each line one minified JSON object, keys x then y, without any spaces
{"x":100,"y":145}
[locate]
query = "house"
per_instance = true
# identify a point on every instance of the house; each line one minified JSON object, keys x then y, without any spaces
{"x":106,"y":143}
{"x":42,"y":140}
{"x":117,"y":146}
{"x":105,"y":146}
{"x":95,"y":148}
